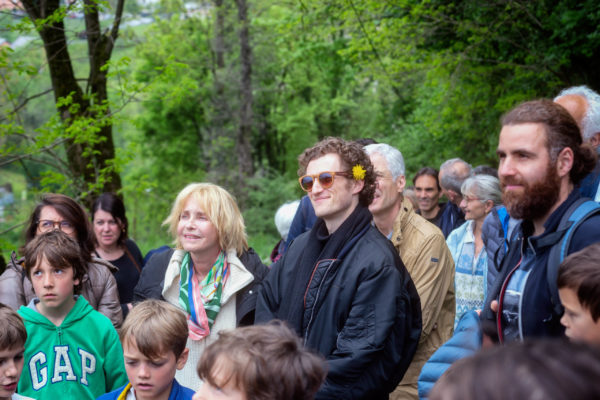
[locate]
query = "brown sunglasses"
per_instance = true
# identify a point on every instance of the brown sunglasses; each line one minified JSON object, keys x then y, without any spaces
{"x":325,"y":179}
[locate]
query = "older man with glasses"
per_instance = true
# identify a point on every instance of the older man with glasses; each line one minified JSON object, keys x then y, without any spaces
{"x":423,"y":249}
{"x":341,"y":285}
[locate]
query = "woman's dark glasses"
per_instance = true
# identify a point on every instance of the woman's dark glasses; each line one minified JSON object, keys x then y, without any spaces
{"x":325,"y":179}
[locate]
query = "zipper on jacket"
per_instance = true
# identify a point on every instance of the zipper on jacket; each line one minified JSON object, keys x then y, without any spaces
{"x":59,"y":332}
{"x":503,"y":289}
{"x":312,"y":313}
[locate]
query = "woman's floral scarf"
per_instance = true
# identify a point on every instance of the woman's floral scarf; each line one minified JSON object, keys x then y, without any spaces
{"x":204,"y":304}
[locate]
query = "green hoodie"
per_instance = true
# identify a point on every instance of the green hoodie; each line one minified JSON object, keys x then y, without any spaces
{"x":80,"y":359}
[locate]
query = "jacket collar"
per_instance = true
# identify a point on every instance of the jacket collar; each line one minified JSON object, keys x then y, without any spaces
{"x":402,"y":219}
{"x":80,"y":309}
{"x":107,"y":264}
{"x":239,"y":276}
{"x":547,"y":238}
{"x":554,"y":219}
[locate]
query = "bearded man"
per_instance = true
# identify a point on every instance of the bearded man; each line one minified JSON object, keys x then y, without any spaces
{"x":542,"y":159}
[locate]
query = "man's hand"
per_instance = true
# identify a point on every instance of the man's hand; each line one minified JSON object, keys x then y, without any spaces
{"x":494,"y":306}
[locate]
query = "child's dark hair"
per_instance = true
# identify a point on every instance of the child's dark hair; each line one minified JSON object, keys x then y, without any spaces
{"x":580,"y":272}
{"x":12,"y":330}
{"x":156,"y":327}
{"x":59,"y":250}
{"x":267,"y":362}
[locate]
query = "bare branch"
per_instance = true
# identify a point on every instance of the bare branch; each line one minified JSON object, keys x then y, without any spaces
{"x":114,"y":32}
{"x":31,"y":156}
{"x":11,"y":228}
{"x":27,"y":100}
{"x":371,"y":44}
{"x":526,"y":10}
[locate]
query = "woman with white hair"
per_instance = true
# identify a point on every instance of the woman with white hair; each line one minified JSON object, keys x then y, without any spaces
{"x":480,"y":194}
{"x":211,"y":275}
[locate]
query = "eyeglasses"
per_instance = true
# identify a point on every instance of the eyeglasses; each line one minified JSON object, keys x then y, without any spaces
{"x":325,"y":179}
{"x":47,"y":225}
{"x":380,"y":178}
{"x":471,"y":199}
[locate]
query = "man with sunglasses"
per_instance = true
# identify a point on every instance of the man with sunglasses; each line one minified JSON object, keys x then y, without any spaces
{"x":341,"y":285}
{"x":423,"y":249}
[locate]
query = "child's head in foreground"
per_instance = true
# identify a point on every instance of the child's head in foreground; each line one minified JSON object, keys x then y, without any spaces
{"x":262,"y":362}
{"x":153,"y":337}
{"x":12,"y":346}
{"x":579,"y":290}
{"x":55,"y":266}
{"x":544,"y":369}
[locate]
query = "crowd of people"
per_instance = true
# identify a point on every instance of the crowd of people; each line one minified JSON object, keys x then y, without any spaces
{"x":372,"y":294}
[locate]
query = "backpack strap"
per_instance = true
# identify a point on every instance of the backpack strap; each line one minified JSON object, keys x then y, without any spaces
{"x":577,"y":213}
{"x":504,"y":219}
{"x":130,"y":256}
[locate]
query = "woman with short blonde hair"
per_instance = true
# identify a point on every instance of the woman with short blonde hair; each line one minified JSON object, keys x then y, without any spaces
{"x":221,"y":209}
{"x":211,"y":274}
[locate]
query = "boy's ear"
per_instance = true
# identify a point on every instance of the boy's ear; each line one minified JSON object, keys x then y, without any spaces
{"x":182,"y":358}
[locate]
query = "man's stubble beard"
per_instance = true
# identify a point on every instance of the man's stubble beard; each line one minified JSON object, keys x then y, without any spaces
{"x":536,"y":199}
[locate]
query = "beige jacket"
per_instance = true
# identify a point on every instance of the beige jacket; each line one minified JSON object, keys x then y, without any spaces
{"x":98,"y":286}
{"x":239,"y":278}
{"x":423,"y":250}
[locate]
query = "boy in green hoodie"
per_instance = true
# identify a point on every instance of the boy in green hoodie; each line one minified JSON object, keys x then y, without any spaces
{"x":72,"y":351}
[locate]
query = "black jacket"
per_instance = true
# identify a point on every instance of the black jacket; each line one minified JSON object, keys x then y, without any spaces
{"x":452,"y":217}
{"x":362,"y":312}
{"x":152,"y":281}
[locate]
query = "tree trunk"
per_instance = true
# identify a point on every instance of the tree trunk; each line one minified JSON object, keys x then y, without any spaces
{"x":86,"y":164}
{"x":243,"y":148}
{"x":217,"y":150}
{"x":100,"y":46}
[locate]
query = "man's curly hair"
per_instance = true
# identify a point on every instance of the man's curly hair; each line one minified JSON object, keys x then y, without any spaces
{"x":351,"y":154}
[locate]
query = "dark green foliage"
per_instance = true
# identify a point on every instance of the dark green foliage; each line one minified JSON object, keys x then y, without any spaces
{"x":429,"y":77}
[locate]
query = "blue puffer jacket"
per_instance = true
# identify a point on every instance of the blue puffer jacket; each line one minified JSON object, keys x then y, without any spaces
{"x":465,"y":342}
{"x":496,"y":232}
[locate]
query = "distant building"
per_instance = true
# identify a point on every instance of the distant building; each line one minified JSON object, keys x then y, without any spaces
{"x":11,"y":5}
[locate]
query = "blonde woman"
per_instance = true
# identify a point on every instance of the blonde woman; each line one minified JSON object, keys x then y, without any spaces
{"x":211,"y":274}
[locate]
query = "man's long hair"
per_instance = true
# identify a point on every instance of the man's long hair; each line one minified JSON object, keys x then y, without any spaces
{"x":561,"y":132}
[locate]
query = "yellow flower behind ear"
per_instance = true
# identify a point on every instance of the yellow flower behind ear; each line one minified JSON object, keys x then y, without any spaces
{"x":358,"y":172}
